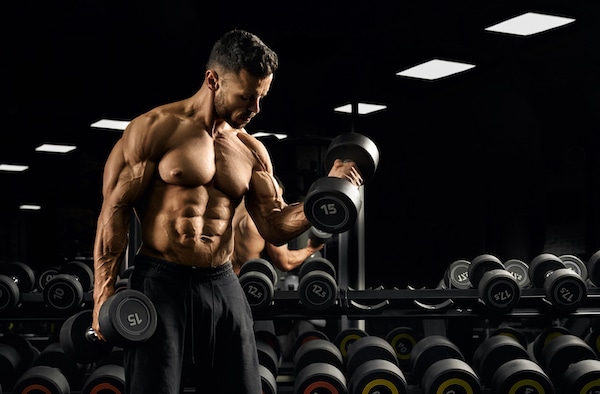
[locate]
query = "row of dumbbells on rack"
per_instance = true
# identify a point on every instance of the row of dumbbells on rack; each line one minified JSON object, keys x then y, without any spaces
{"x":563,"y":281}
{"x":404,"y":361}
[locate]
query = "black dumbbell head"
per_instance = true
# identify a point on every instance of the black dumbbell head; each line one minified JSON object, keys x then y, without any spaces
{"x":76,"y":342}
{"x":357,"y":147}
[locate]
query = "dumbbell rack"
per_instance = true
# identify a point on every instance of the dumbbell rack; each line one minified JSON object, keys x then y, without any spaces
{"x":434,"y":308}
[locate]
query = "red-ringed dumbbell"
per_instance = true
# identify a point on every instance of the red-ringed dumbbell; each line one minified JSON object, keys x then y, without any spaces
{"x":54,"y":356}
{"x":456,"y":275}
{"x":16,"y":356}
{"x":440,"y":367}
{"x":305,"y":335}
{"x":105,"y":379}
{"x":65,"y":291}
{"x":372,"y":367}
{"x":403,"y":339}
{"x":563,"y":351}
{"x":520,"y":270}
{"x":126,"y":318}
{"x":317,"y":287}
{"x":16,"y":278}
{"x":593,"y":269}
{"x":332,"y":204}
{"x":269,"y":358}
{"x":494,"y":352}
{"x":498,"y":289}
{"x":318,"y":368}
{"x":581,"y":377}
{"x":258,"y":279}
{"x":42,"y":379}
{"x":346,"y":337}
{"x":565,"y":290}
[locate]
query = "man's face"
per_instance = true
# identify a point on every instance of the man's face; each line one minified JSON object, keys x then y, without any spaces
{"x":237,"y":100}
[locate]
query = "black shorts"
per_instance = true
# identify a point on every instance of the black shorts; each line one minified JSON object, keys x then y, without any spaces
{"x":204,"y":337}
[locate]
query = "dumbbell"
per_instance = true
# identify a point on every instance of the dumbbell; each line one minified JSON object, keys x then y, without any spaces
{"x":403,"y":339}
{"x":269,"y":358}
{"x":126,"y":318}
{"x":563,"y":351}
{"x":42,"y":379}
{"x":16,"y":356}
{"x":258,"y":279}
{"x":543,"y":338}
{"x":44,"y":276}
{"x":65,"y":291}
{"x":317,"y":287}
{"x":105,"y":379}
{"x":332,"y":204}
{"x":498,"y":288}
{"x":318,"y":237}
{"x":372,"y":367}
{"x":565,"y":290}
{"x":592,"y":338}
{"x":581,"y":377}
{"x":593,"y":269}
{"x":346,"y":337}
{"x":318,"y":368}
{"x":53,"y":355}
{"x":15,"y":278}
{"x":440,"y":367}
{"x":456,"y":275}
{"x":519,"y":270}
{"x":576,"y":264}
{"x":307,"y":335}
{"x":491,"y":362}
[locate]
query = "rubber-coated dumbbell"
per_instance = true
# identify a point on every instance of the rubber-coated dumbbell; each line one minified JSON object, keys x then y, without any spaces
{"x":372,"y":367}
{"x":565,"y":290}
{"x":317,"y":365}
{"x":581,"y":377}
{"x":576,"y":264}
{"x":65,"y":291}
{"x":346,"y":337}
{"x":332,"y":204}
{"x":269,"y":358}
{"x":496,"y":351}
{"x":318,"y":237}
{"x":105,"y":379}
{"x":592,"y":338}
{"x":42,"y":379}
{"x":563,"y":351}
{"x":498,"y":288}
{"x":258,"y":279}
{"x":543,"y":338}
{"x":519,"y":270}
{"x":440,"y":367}
{"x":593,"y":269}
{"x":53,"y":355}
{"x":456,"y":275}
{"x":317,"y":287}
{"x":403,"y":339}
{"x":16,"y":356}
{"x":305,"y":335}
{"x":15,"y":279}
{"x":128,"y":317}
{"x":44,"y":276}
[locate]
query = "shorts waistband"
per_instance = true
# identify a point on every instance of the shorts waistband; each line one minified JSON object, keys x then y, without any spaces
{"x":199,"y":273}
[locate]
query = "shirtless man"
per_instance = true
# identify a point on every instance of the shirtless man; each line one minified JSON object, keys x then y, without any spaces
{"x":183,"y":168}
{"x":249,"y":244}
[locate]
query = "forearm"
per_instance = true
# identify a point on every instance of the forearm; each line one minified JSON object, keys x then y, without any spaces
{"x":286,"y":259}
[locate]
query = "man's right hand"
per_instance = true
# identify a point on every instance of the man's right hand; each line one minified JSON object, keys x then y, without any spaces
{"x":346,"y":169}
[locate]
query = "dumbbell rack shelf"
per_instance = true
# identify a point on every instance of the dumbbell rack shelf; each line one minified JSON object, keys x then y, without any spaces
{"x":364,"y":304}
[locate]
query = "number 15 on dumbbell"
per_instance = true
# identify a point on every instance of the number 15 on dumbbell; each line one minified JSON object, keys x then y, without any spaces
{"x":332,"y":204}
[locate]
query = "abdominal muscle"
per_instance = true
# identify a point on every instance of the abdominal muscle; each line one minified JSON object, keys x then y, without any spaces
{"x":190,"y":226}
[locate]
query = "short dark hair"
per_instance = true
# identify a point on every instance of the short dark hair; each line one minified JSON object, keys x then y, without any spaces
{"x":239,"y":49}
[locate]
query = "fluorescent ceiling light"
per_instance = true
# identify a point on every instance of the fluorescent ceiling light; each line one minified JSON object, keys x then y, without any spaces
{"x":55,"y":148}
{"x":279,"y":136}
{"x":529,"y":23}
{"x":29,"y":207}
{"x":13,"y":167}
{"x":363,"y":108}
{"x":435,"y":69}
{"x":110,"y":124}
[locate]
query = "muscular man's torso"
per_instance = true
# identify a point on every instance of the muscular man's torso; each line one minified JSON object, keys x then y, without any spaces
{"x":199,"y":180}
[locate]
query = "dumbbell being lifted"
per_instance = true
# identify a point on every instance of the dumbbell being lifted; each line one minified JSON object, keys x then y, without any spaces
{"x":332,"y":204}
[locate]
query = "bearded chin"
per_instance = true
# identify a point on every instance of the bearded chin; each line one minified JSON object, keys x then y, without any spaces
{"x":222,"y":112}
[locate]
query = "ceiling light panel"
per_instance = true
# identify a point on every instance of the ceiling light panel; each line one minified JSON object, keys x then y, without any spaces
{"x":530,"y":23}
{"x":110,"y":124}
{"x":13,"y":167}
{"x":435,"y":69}
{"x":55,"y":148}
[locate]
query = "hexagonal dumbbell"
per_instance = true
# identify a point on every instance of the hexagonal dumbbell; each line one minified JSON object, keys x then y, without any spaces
{"x":440,"y":367}
{"x":317,"y":287}
{"x":372,"y":367}
{"x":15,"y":278}
{"x":332,"y":204}
{"x":565,"y":290}
{"x":64,"y":292}
{"x":126,"y":318}
{"x":258,"y":279}
{"x":498,"y":288}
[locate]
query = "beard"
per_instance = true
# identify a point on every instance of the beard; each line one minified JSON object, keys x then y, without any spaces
{"x":225,"y":114}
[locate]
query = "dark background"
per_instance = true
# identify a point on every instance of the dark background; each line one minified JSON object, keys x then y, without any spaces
{"x":502,"y":159}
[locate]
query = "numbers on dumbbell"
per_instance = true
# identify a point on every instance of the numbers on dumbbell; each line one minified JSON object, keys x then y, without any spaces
{"x":329,"y":209}
{"x":134,"y":319}
{"x":319,"y":291}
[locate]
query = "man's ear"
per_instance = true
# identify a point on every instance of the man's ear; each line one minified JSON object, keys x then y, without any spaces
{"x":212,"y":79}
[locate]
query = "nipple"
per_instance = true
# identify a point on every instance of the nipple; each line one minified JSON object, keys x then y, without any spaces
{"x":176,"y":172}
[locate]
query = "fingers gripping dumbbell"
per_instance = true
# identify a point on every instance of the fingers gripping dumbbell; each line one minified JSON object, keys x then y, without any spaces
{"x":565,"y":290}
{"x":258,"y":279}
{"x":126,"y":318}
{"x":317,"y":287}
{"x":498,"y":288}
{"x":15,"y":278}
{"x":440,"y":367}
{"x":65,"y":291}
{"x":332,"y":204}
